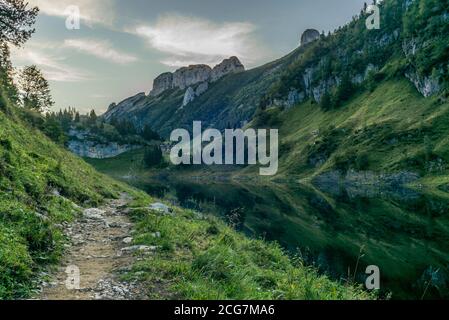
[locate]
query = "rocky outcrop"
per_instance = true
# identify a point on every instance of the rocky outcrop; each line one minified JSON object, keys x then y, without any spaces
{"x":162,"y":83}
{"x":115,"y":109}
{"x":93,"y":150}
{"x":191,"y":75}
{"x":87,"y":144}
{"x":427,"y":86}
{"x":228,"y":66}
{"x":309,"y":36}
{"x":189,"y":96}
{"x":89,"y":149}
{"x":195,"y":74}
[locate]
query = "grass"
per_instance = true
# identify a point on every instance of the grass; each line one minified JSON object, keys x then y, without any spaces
{"x":200,"y":257}
{"x":389,"y":130}
{"x":43,"y":185}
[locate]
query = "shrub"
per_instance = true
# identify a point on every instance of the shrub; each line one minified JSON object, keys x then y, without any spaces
{"x":153,"y":156}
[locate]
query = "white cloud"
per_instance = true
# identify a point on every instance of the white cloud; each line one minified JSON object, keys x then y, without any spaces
{"x":191,"y":40}
{"x":54,"y":68}
{"x":100,"y":49}
{"x":91,"y":11}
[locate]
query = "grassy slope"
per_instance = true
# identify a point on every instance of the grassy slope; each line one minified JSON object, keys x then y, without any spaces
{"x":200,"y":258}
{"x":388,"y":126}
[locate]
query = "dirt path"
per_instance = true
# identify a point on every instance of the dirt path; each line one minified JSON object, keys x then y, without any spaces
{"x":99,"y":252}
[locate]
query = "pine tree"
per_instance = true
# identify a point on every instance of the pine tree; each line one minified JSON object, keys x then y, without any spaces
{"x":93,"y":117}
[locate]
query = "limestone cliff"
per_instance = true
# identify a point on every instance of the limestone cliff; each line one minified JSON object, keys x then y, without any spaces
{"x":186,"y":77}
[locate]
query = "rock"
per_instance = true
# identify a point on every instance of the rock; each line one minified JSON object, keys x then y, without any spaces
{"x":231,"y":65}
{"x":162,"y":83}
{"x":112,"y":106}
{"x":190,"y":76}
{"x":189,"y":96}
{"x":156,"y":235}
{"x":309,"y":36}
{"x":93,"y":150}
{"x":115,"y":225}
{"x":427,"y":86}
{"x":93,"y":213}
{"x":160,"y":207}
{"x":139,"y":248}
{"x":201,"y":88}
{"x":127,"y":240}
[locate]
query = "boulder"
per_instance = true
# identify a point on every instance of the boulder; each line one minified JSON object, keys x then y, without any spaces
{"x":94,"y":213}
{"x":160,"y":207}
{"x":309,"y":36}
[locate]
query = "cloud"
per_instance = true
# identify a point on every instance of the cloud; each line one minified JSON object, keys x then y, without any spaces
{"x":100,"y":49}
{"x":53,"y":68}
{"x":91,"y":11}
{"x":191,"y":40}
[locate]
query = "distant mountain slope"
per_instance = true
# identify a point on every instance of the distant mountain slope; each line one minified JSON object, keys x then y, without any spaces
{"x":230,"y":101}
{"x":412,"y":40}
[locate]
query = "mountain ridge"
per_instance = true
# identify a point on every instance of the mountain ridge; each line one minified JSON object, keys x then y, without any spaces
{"x":313,"y":70}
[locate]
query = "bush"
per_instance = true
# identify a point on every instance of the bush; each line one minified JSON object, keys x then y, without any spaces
{"x":149,"y":135}
{"x":153,"y":156}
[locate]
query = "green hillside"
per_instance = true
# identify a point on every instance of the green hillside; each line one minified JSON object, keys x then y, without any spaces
{"x":390,"y":129}
{"x":42,"y":186}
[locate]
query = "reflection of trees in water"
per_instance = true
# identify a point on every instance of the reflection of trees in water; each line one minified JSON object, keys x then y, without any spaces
{"x":404,"y":234}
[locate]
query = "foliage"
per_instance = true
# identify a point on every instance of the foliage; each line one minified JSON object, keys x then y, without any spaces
{"x":16,"y":21}
{"x":35,"y":89}
{"x":153,"y":156}
{"x":149,"y":135}
{"x":202,"y":258}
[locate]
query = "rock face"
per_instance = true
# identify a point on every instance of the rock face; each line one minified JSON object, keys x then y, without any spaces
{"x":189,"y":96}
{"x":228,"y":66}
{"x":309,"y":36}
{"x":195,"y":74}
{"x":90,"y":149}
{"x":191,"y":75}
{"x":427,"y":86}
{"x":162,"y":83}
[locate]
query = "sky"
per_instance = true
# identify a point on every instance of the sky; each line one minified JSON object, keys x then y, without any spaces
{"x":122,"y":45}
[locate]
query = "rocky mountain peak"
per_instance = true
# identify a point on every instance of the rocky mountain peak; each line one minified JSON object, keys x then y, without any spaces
{"x":231,"y":65}
{"x":191,"y":75}
{"x":161,"y":83}
{"x":186,"y":77}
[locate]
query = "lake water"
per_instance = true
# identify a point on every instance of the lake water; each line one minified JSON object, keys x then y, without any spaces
{"x":404,"y":233}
